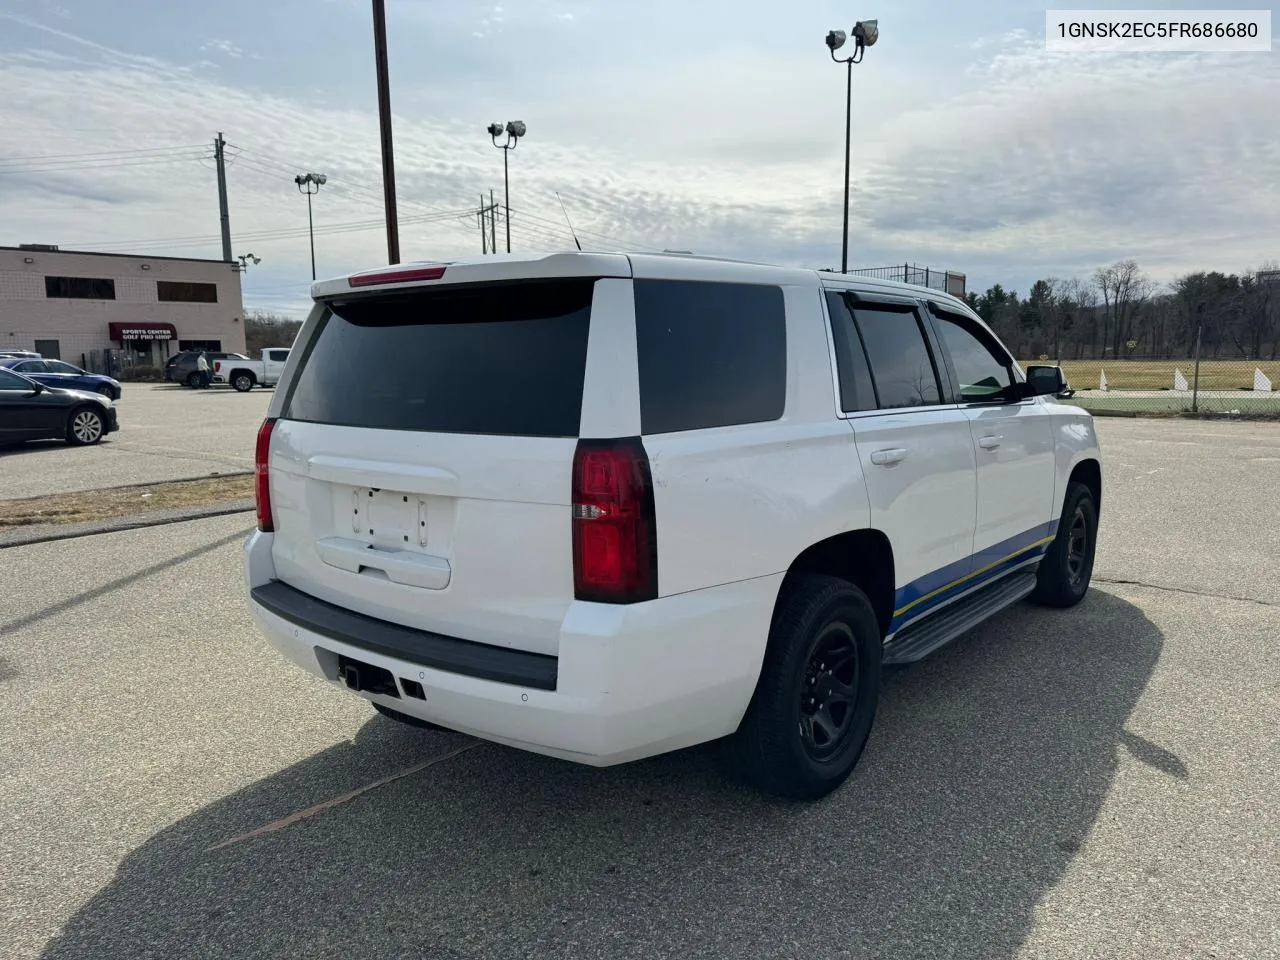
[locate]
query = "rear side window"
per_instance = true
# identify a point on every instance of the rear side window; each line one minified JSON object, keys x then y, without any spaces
{"x":709,"y":354}
{"x":506,"y":359}
{"x":900,"y":360}
{"x":857,"y":392}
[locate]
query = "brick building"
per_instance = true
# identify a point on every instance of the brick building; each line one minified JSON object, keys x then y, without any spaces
{"x":78,"y":306}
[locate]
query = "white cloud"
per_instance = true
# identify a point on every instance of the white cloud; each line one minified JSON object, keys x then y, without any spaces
{"x":225,"y":47}
{"x":1027,"y":164}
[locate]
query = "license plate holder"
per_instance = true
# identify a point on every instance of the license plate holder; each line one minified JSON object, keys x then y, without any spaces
{"x":388,"y":518}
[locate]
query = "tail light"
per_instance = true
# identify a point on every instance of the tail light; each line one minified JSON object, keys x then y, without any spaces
{"x":615,"y":552}
{"x":217,"y":366}
{"x":262,"y":478}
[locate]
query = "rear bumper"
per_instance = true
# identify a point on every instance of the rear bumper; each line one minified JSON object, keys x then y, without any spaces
{"x":628,"y":681}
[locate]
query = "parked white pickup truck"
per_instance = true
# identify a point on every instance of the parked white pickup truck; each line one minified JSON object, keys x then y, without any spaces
{"x":244,"y":375}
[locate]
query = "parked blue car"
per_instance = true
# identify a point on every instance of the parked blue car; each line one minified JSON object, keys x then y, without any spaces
{"x":58,"y":373}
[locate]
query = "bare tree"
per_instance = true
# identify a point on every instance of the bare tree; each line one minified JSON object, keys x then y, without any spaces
{"x":1124,"y":288}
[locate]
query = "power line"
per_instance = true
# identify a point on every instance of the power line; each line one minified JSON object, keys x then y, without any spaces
{"x":288,"y":233}
{"x":72,"y":167}
{"x":101,"y":154}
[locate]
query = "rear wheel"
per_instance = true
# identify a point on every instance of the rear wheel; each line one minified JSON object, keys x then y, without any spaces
{"x":819,"y":685}
{"x":406,"y":719}
{"x":85,"y":426}
{"x":243,"y":382}
{"x":1065,"y":571}
{"x":193,"y":379}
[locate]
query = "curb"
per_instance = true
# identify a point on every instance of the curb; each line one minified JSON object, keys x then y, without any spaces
{"x":46,"y":533}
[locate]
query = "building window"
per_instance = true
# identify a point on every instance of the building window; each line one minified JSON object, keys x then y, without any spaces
{"x":173,"y":291}
{"x":184,"y":345}
{"x":49,"y":349}
{"x":80,"y":288}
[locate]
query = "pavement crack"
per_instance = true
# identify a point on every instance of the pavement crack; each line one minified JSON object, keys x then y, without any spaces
{"x":1186,"y":590}
{"x":276,"y":825}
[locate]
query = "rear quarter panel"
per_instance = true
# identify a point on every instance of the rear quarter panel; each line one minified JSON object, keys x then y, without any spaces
{"x":735,"y":503}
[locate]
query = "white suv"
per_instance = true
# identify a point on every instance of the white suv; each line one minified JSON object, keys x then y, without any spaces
{"x":605,"y":506}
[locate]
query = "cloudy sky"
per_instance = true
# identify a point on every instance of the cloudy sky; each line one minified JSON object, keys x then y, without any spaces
{"x":708,"y":126}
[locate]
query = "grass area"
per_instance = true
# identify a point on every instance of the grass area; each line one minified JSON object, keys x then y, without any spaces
{"x":1242,"y":402}
{"x":92,"y":505}
{"x":1158,"y":374}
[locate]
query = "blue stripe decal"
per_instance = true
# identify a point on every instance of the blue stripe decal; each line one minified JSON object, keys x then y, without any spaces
{"x":927,"y":592}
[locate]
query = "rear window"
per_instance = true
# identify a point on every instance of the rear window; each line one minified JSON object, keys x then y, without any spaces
{"x":504,"y":359}
{"x":709,"y":354}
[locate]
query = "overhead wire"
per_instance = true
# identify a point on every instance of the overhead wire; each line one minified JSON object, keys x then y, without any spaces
{"x":106,"y":154}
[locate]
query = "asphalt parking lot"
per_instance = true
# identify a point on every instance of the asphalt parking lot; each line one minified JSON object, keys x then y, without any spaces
{"x":167,"y":432}
{"x":1099,"y":782}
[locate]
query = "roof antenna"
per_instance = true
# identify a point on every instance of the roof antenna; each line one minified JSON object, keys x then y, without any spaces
{"x":569,"y":222}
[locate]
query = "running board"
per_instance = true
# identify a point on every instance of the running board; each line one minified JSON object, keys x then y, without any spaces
{"x":917,"y":640}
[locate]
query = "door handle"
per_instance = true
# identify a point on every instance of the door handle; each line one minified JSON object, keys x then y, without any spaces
{"x":990,"y":443}
{"x":888,"y":457}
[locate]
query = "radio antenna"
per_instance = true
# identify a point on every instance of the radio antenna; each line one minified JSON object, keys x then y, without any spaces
{"x":572,"y":233}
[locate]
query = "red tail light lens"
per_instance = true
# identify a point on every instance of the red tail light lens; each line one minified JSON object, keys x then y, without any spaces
{"x":403,"y":275}
{"x":615,"y":555}
{"x":217,"y":366}
{"x":262,"y":480}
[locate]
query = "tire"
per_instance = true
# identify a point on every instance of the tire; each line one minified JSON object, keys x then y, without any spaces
{"x":1065,"y":571}
{"x":406,"y":719}
{"x":784,"y":746}
{"x":243,"y":382}
{"x":193,"y":379}
{"x":85,"y":426}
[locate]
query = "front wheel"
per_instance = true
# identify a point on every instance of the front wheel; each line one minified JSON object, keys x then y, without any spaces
{"x":1065,"y":571}
{"x":815,"y":702}
{"x":85,"y":427}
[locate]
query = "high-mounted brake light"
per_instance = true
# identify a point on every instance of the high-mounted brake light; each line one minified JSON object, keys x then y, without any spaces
{"x":262,"y":478}
{"x":615,"y":553}
{"x":402,"y":275}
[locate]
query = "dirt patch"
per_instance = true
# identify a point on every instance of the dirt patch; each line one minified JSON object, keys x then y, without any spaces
{"x":88,"y":506}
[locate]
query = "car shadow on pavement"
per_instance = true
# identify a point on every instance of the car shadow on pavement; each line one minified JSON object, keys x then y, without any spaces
{"x":986,"y":771}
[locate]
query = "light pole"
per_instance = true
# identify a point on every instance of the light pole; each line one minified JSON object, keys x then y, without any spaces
{"x":515,"y":129}
{"x":244,"y":259}
{"x":865,"y":34}
{"x":305,"y":182}
{"x":384,"y":127}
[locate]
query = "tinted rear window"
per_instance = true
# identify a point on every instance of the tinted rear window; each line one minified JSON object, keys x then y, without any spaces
{"x":709,"y":354}
{"x":900,"y":361}
{"x":503,"y":359}
{"x":857,"y":392}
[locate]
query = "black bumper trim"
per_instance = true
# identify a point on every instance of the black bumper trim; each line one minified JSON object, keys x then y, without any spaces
{"x":450,"y":654}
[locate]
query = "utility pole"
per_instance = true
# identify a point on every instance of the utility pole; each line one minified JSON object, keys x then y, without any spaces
{"x":384,"y":122}
{"x":218,"y":156}
{"x":488,"y":224}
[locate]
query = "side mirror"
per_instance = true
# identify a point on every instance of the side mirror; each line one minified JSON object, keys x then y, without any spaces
{"x":1047,"y":381}
{"x":37,"y":388}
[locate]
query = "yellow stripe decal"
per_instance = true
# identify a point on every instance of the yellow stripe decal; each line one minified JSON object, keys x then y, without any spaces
{"x":969,"y":576}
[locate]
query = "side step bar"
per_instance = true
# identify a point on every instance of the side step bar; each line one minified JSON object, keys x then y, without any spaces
{"x":917,"y":640}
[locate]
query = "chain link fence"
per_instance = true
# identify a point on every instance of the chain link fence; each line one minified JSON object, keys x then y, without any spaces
{"x":1242,"y":387}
